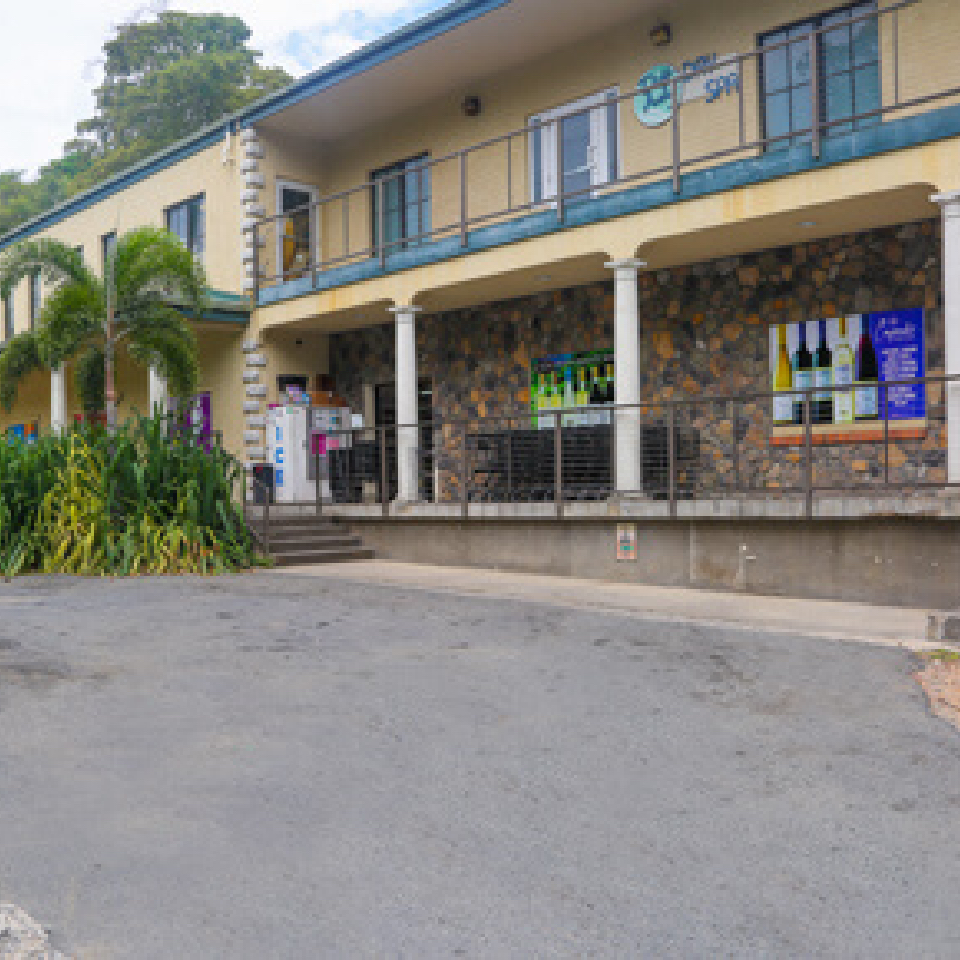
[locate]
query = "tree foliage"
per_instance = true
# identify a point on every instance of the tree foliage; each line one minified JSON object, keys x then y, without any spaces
{"x":151,"y":277}
{"x":164,"y":79}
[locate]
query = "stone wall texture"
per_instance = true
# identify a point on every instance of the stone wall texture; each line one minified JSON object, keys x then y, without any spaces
{"x":704,"y":334}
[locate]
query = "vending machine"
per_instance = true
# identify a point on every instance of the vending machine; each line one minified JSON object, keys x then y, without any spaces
{"x":288,"y":453}
{"x":325,"y":437}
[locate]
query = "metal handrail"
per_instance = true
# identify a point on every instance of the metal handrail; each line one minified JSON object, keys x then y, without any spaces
{"x":668,"y":413}
{"x":462,"y":224}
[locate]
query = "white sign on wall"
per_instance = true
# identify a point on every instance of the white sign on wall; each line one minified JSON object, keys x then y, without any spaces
{"x":710,"y":78}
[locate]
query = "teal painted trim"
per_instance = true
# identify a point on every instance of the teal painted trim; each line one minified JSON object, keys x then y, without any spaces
{"x":393,"y":45}
{"x":884,"y":138}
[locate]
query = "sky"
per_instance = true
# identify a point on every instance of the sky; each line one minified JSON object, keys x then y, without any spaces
{"x":50,"y":62}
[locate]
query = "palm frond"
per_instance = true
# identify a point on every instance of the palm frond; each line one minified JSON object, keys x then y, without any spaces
{"x":72,"y":316}
{"x":56,"y":262}
{"x":20,"y":357}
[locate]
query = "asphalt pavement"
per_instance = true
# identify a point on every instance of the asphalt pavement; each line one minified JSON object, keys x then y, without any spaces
{"x":294,"y":766}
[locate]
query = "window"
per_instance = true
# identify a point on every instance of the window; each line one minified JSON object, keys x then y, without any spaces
{"x":406,"y":203}
{"x":8,"y":316}
{"x":36,"y":297}
{"x":188,"y":221}
{"x":297,"y":236}
{"x":589,"y":141}
{"x":848,"y":76}
{"x":108,"y":247}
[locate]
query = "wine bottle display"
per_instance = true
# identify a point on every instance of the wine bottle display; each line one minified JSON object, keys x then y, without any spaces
{"x":782,"y":380}
{"x":823,"y":377}
{"x":865,"y":402}
{"x":802,"y":374}
{"x":843,"y":368}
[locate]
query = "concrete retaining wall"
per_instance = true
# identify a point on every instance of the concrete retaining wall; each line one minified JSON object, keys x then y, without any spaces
{"x":907,"y":561}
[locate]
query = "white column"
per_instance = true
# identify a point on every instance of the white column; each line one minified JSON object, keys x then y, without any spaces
{"x":408,"y":485}
{"x":159,"y":400}
{"x":950,"y":206}
{"x":626,"y":357}
{"x":58,"y":400}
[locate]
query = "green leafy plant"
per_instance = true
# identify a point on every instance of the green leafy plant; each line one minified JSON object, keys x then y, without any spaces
{"x":150,"y":280}
{"x":132,"y":502}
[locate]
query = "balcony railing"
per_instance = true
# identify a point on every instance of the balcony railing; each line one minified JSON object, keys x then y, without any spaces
{"x":339,"y":229}
{"x":552,"y":462}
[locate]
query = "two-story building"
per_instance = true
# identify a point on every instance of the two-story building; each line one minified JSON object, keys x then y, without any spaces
{"x":511,"y":206}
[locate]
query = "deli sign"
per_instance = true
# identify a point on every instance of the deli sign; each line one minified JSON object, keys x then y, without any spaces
{"x":710,"y":77}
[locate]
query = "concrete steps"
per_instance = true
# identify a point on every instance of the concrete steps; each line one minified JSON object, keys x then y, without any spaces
{"x":305,"y":540}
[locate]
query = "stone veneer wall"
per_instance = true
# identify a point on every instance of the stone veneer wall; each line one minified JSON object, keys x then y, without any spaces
{"x":704,"y":332}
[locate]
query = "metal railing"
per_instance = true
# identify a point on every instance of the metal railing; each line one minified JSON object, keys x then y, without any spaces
{"x":664,"y":451}
{"x":342,"y":206}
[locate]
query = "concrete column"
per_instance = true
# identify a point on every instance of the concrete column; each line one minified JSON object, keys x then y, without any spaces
{"x":950,"y":207}
{"x":58,"y":400}
{"x":159,"y":398}
{"x":408,"y":485}
{"x":626,"y":355}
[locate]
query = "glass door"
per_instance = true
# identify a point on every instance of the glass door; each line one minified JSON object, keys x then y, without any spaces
{"x":589,"y":142}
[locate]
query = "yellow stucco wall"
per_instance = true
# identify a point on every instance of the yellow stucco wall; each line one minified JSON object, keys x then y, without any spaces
{"x":927,"y":42}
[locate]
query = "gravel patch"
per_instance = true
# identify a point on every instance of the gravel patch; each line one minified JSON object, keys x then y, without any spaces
{"x":940,"y":679}
{"x":22,"y":938}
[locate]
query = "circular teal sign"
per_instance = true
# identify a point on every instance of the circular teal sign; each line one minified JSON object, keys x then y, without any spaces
{"x":654,"y":105}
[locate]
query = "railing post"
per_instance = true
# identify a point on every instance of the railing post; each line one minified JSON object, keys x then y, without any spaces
{"x":736,"y":446}
{"x":381,"y":220}
{"x":558,"y":464}
{"x":317,"y":482}
{"x":464,"y":475}
{"x":560,"y":204}
{"x":896,"y":58}
{"x":815,"y":94}
{"x":675,"y":133}
{"x":741,"y":65}
{"x":345,"y":208}
{"x":808,"y":443}
{"x":672,"y":458}
{"x":384,"y":492}
{"x":463,"y":198}
{"x":886,"y":438}
{"x":510,"y":174}
{"x":266,"y":516}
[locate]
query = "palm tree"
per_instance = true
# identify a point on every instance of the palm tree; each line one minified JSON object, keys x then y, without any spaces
{"x":150,"y":279}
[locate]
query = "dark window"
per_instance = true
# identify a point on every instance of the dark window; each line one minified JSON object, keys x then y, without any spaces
{"x":188,"y":221}
{"x":36,"y":297}
{"x":8,"y":316}
{"x":847,"y":81}
{"x":406,"y":203}
{"x":108,"y":247}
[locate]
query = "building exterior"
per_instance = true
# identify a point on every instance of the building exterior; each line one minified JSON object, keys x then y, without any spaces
{"x":730,"y":174}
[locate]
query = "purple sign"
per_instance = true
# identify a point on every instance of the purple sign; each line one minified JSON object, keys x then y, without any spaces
{"x":898,"y":341}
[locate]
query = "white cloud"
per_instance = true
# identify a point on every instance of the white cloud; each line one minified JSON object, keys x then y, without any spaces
{"x":51,"y":48}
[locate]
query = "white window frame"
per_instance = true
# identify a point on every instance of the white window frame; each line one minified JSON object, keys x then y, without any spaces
{"x":548,"y":144}
{"x":315,"y":223}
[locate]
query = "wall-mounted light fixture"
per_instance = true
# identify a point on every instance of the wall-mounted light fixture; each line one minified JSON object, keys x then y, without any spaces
{"x":471,"y":106}
{"x":661,"y":35}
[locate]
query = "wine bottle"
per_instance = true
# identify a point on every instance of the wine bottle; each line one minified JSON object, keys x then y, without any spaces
{"x":782,"y":380}
{"x":865,"y":402}
{"x":822,"y":377}
{"x":802,"y":374}
{"x":611,"y":392}
{"x":843,"y":361}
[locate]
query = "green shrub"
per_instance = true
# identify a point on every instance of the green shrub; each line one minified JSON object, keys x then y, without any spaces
{"x":135,"y":501}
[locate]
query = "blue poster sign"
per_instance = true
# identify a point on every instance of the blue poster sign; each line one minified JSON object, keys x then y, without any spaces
{"x":898,"y":342}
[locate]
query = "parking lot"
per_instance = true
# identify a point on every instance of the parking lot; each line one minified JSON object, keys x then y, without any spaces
{"x":274,"y":765}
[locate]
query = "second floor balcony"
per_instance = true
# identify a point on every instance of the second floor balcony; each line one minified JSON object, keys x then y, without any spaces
{"x":835,"y":87}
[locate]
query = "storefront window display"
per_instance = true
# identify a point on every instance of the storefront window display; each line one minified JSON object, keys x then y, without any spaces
{"x":862,"y":351}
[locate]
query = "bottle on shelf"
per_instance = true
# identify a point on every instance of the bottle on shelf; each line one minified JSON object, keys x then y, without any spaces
{"x":802,"y":374}
{"x":782,"y":381}
{"x":843,"y":368}
{"x":865,"y":397}
{"x":823,"y":377}
{"x":610,"y":395}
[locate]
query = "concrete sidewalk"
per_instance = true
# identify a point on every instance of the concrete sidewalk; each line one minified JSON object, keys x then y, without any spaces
{"x":830,"y":619}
